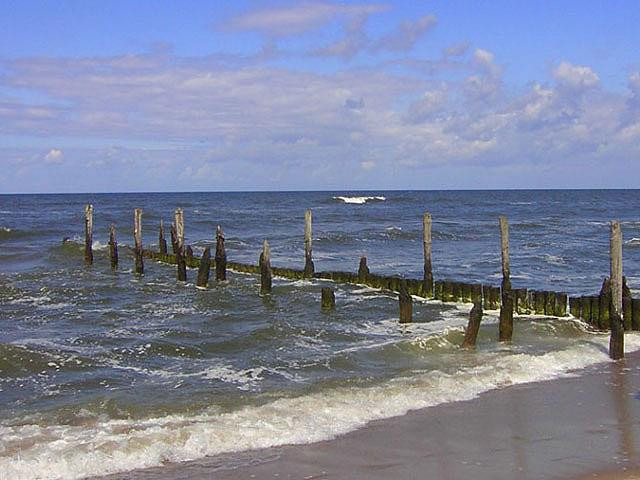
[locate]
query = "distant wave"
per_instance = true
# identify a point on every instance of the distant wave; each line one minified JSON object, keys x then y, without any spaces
{"x":360,"y":200}
{"x":634,"y":242}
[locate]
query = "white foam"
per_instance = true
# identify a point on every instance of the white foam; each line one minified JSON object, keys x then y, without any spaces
{"x":101,"y":447}
{"x":360,"y":200}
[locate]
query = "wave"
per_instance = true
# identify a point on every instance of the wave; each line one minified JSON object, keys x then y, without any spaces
{"x":76,"y":451}
{"x":360,"y":200}
{"x":634,"y":242}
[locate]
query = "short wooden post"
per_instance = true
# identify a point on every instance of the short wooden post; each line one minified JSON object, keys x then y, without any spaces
{"x":616,"y":341}
{"x":475,"y":317}
{"x":221,"y":256}
{"x":88,"y":234}
{"x":595,"y":311}
{"x":426,"y":244}
{"x":137,"y":236}
{"x":635,"y":311}
{"x":113,"y":247}
{"x":162,"y":242}
{"x":265,"y":268}
{"x":328,"y":299}
{"x":506,"y":307}
{"x":405,"y":303}
{"x":574,"y":307}
{"x":605,"y":304}
{"x":627,"y":308}
{"x":585,"y":309}
{"x":189,"y":254}
{"x":181,"y":267}
{"x":363,"y":269}
{"x":205,"y":267}
{"x":308,"y":259}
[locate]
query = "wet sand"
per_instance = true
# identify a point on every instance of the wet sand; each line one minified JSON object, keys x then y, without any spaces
{"x":573,"y":428}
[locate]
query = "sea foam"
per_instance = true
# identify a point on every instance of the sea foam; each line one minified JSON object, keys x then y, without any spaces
{"x":76,"y":451}
{"x":360,"y":200}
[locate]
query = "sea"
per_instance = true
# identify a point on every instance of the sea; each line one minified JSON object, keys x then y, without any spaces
{"x":107,"y":371}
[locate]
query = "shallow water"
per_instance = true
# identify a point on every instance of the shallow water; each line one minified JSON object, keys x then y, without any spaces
{"x":105,"y":371}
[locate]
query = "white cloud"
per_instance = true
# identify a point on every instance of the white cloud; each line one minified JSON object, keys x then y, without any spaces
{"x":405,"y":36}
{"x":575,"y":76}
{"x":53,"y":156}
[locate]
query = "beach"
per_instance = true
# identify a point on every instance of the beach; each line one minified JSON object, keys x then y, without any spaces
{"x":581,"y":427}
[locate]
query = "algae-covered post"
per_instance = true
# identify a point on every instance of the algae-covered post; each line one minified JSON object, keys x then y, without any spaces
{"x":506,"y":307}
{"x":475,"y":317}
{"x":88,"y":234}
{"x":426,"y":244}
{"x":113,"y":247}
{"x":205,"y":267}
{"x":616,"y":342}
{"x":137,"y":236}
{"x":221,"y":256}
{"x":265,"y":268}
{"x":405,"y":303}
{"x":308,"y":259}
{"x":328,"y":299}
{"x":162,"y":242}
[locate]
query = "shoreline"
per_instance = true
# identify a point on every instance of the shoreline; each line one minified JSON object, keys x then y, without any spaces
{"x":580,"y":427}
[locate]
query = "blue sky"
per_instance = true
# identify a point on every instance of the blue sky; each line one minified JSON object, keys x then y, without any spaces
{"x":278,"y":95}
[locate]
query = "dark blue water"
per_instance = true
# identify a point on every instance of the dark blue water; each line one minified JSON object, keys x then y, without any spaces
{"x":106,"y":371}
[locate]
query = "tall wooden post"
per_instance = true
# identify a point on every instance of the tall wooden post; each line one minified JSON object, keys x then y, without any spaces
{"x":113,"y":247}
{"x":137,"y":236}
{"x":426,"y":243}
{"x":506,"y":307}
{"x":179,"y":253}
{"x":162,"y":242}
{"x":205,"y":267}
{"x":308,"y":260}
{"x":616,"y":342}
{"x":179,"y":219}
{"x":221,"y":256}
{"x":265,"y":268}
{"x":88,"y":234}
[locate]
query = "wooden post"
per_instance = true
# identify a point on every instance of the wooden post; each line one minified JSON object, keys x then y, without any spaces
{"x":405,"y":303}
{"x":265,"y":268}
{"x":426,"y":244}
{"x":616,"y":341}
{"x":308,"y":260}
{"x":162,"y":242}
{"x":137,"y":236}
{"x":475,"y":317}
{"x":506,"y":307}
{"x":585,"y":309}
{"x":181,"y":265}
{"x":88,"y":234}
{"x":328,"y":299}
{"x":221,"y":256}
{"x":627,"y":313}
{"x":113,"y":247}
{"x":605,"y":304}
{"x":179,"y":219}
{"x":635,"y":309}
{"x":205,"y":267}
{"x":363,"y":270}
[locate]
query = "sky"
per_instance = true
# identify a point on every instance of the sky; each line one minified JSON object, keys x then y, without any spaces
{"x":116,"y":96}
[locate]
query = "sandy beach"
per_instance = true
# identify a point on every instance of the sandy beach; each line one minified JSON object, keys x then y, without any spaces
{"x":573,"y":428}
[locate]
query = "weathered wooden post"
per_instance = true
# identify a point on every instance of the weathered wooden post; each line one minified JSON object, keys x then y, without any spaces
{"x":616,"y":341}
{"x":181,"y":265}
{"x":426,"y":244}
{"x":363,"y":269}
{"x":113,"y":247}
{"x":162,"y":242}
{"x":308,"y":260}
{"x":88,"y":234}
{"x":627,"y":308}
{"x":405,"y":303}
{"x":475,"y":317}
{"x":605,"y":304}
{"x":221,"y":256}
{"x":328,"y":301}
{"x":137,"y":236}
{"x":265,"y":268}
{"x":179,"y":219}
{"x":506,"y":307}
{"x":205,"y":267}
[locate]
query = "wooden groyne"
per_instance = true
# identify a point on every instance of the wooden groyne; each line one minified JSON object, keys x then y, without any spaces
{"x":612,"y":308}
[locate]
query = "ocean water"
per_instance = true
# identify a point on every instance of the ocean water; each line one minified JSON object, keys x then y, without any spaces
{"x":105,"y":371}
